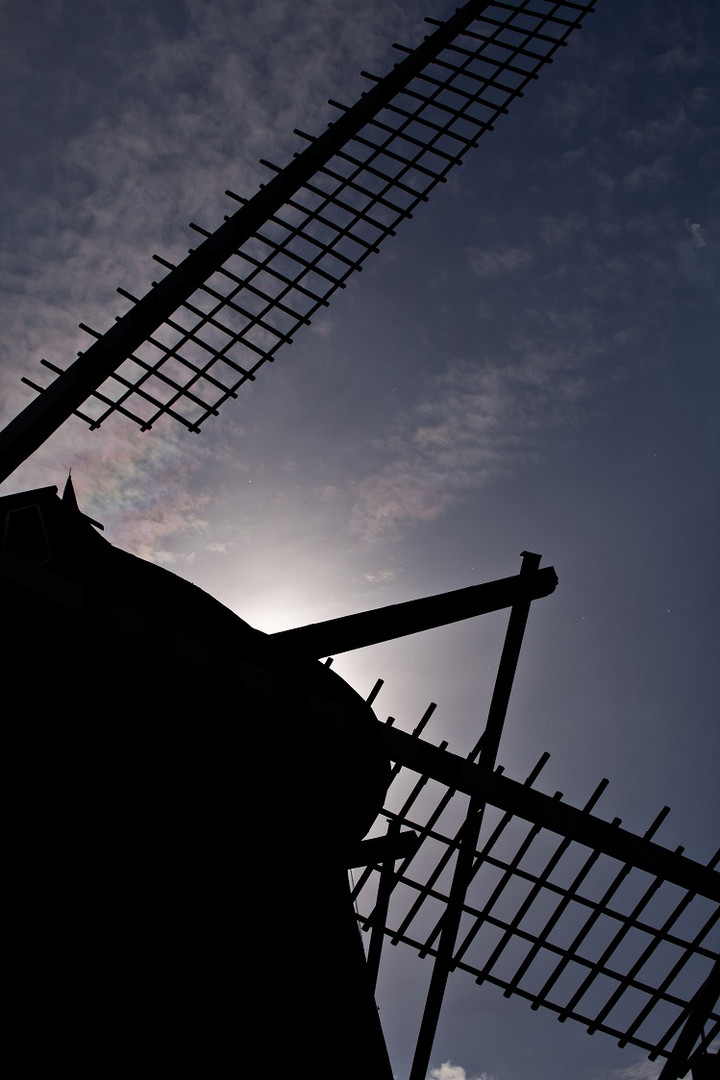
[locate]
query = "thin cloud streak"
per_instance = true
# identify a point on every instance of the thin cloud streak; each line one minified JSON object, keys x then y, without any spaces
{"x":507,"y":260}
{"x":643,"y":1070}
{"x":479,"y":423}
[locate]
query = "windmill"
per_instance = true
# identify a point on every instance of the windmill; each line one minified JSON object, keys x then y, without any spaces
{"x":179,"y":346}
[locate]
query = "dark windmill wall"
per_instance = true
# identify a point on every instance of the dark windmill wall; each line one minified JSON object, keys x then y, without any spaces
{"x":171,"y":778}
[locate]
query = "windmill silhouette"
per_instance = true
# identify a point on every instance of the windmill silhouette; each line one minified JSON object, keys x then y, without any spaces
{"x":182,"y":351}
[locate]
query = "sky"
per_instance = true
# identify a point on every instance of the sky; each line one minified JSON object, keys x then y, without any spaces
{"x":531,"y":364}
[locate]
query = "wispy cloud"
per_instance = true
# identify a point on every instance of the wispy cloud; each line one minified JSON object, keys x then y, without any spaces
{"x":562,"y":232}
{"x":186,"y":111}
{"x":374,"y":577}
{"x":479,"y":421}
{"x":660,"y":132}
{"x":697,"y":234}
{"x":642,"y":1070}
{"x":567,"y":105}
{"x":655,"y":174}
{"x":680,"y":58}
{"x":190,"y":115}
{"x":506,"y":260}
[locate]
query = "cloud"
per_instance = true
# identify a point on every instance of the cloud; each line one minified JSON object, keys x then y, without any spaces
{"x":400,"y":494}
{"x":322,"y":326}
{"x":680,"y":58}
{"x":186,"y":110}
{"x":642,"y":1070}
{"x":507,"y":260}
{"x":563,"y":232}
{"x":697,"y":234}
{"x":375,"y":576}
{"x":647,"y":1070}
{"x":655,"y":175}
{"x":567,"y":105}
{"x":146,"y":491}
{"x":448,"y":1071}
{"x":477,"y":422}
{"x":186,"y":118}
{"x":670,"y":130}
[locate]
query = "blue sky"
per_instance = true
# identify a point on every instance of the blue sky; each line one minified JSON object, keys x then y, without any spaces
{"x":531,"y":364}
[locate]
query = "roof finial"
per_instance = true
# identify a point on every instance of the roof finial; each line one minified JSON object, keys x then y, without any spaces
{"x":68,"y":495}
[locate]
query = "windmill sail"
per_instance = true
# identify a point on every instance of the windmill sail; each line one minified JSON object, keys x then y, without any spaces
{"x":561,"y":908}
{"x":205,"y":329}
{"x":549,"y":903}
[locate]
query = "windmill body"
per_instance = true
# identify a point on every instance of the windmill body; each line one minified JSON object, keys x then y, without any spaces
{"x":139,"y":903}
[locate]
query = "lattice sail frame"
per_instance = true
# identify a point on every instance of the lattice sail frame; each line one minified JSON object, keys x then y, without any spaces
{"x":205,"y":329}
{"x":569,"y":917}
